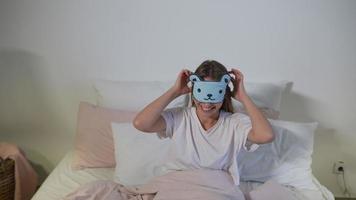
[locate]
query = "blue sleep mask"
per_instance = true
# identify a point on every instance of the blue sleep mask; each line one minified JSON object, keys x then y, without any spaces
{"x":209,"y":91}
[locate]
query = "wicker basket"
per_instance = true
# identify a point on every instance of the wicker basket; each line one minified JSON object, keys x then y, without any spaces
{"x":7,"y":179}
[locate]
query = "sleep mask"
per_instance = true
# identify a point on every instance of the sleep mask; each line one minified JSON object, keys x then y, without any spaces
{"x":209,"y":91}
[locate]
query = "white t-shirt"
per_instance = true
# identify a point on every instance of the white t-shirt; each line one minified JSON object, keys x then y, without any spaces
{"x":194,"y":147}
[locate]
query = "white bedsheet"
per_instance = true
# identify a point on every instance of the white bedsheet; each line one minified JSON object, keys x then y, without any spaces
{"x":63,"y":180}
{"x":303,"y":194}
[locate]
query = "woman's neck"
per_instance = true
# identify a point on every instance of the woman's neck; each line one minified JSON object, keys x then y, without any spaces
{"x":207,"y":121}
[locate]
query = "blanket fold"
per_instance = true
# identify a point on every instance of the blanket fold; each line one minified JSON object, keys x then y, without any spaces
{"x":179,"y":185}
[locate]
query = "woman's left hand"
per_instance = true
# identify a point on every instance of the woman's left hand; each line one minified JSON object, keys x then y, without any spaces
{"x":239,"y":92}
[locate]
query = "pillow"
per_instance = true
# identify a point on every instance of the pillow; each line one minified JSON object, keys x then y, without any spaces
{"x":94,"y":145}
{"x":138,"y":153}
{"x":287,"y":160}
{"x":134,"y":95}
{"x":267,"y":96}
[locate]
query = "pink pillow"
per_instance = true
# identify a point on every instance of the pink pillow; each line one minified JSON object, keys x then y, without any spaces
{"x":94,"y":145}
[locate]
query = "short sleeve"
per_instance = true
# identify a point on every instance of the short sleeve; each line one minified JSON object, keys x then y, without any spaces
{"x":244,"y":127}
{"x":173,"y":117}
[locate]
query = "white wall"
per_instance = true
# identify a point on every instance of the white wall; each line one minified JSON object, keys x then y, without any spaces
{"x":50,"y":51}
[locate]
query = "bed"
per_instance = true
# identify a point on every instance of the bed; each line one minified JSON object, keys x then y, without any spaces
{"x":104,"y":139}
{"x":64,"y":180}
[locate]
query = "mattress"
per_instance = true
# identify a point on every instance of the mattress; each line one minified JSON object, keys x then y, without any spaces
{"x":63,"y":180}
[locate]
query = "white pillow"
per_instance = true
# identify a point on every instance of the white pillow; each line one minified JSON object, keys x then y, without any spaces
{"x":137,"y":154}
{"x":286,"y":160}
{"x":266,"y":96}
{"x":133,"y":95}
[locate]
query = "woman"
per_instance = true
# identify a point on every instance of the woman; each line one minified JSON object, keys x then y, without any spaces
{"x":207,"y":135}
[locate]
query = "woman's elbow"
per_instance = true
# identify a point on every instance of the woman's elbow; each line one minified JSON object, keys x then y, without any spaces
{"x":137,"y":123}
{"x":267,"y":137}
{"x":270,"y":137}
{"x":148,"y":126}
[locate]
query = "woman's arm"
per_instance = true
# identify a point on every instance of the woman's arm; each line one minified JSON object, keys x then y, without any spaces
{"x":150,"y":119}
{"x":261,"y":131}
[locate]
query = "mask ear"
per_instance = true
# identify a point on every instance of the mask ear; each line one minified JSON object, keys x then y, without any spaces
{"x":194,"y":78}
{"x":225,"y":79}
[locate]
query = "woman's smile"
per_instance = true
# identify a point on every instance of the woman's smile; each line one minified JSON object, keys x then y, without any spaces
{"x":207,"y":107}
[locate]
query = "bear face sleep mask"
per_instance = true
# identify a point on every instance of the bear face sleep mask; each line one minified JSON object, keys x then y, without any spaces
{"x":209,"y":91}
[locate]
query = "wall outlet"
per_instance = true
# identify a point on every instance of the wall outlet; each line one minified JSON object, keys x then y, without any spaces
{"x":339,"y":167}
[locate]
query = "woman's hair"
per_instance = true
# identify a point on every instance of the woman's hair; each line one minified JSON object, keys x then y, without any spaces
{"x":215,"y":70}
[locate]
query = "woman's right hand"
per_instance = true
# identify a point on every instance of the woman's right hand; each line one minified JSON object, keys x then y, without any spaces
{"x":180,"y":87}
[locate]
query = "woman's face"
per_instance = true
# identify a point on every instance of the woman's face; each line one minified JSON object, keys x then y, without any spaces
{"x":208,"y":109}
